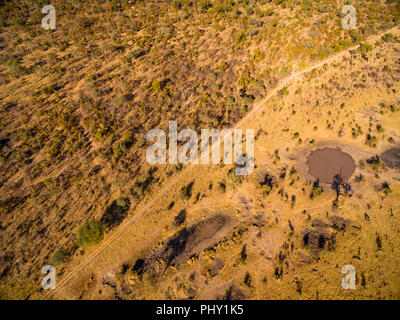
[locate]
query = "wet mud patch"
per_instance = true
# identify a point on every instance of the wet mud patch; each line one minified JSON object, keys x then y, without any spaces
{"x":391,"y":158}
{"x":186,"y":243}
{"x":326,"y":163}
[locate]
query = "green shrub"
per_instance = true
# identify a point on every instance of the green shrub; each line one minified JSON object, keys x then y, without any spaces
{"x":223,"y":67}
{"x":47,"y":89}
{"x":284,"y":73}
{"x":386,"y":188}
{"x":59,"y":257}
{"x":284,"y":92}
{"x":137,"y":191}
{"x":371,"y":141}
{"x":127,"y":136}
{"x":365,"y":47}
{"x":156,"y":85}
{"x":317,"y":190}
{"x":355,"y":132}
{"x":387,"y":68}
{"x":375,"y":162}
{"x":119,"y":149}
{"x":252,"y":32}
{"x":14,"y":68}
{"x":387,"y":37}
{"x":90,"y":233}
{"x":121,"y":202}
{"x":186,"y":192}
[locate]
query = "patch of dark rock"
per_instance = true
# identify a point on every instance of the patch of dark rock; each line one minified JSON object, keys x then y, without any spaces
{"x":245,"y":202}
{"x":391,"y":158}
{"x":127,"y":289}
{"x":278,"y":272}
{"x":4,"y":271}
{"x":319,"y":223}
{"x":5,"y":143}
{"x":305,"y":258}
{"x":316,"y":239}
{"x":114,"y":285}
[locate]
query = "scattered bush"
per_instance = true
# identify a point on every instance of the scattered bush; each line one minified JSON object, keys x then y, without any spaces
{"x":284,"y":92}
{"x":317,"y":190}
{"x":375,"y":162}
{"x":371,"y":141}
{"x":14,"y":68}
{"x":186,"y":192}
{"x":386,"y":188}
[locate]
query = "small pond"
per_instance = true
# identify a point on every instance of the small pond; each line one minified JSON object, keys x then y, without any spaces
{"x":324,"y":164}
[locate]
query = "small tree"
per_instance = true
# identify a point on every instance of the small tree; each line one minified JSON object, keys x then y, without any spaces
{"x":90,"y":233}
{"x":375,"y":162}
{"x":317,"y":190}
{"x":371,"y":141}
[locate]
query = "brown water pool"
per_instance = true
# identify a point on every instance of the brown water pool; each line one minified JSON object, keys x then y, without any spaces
{"x":325,"y":163}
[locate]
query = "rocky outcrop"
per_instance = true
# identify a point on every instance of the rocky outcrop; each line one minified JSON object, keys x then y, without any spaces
{"x":316,"y":239}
